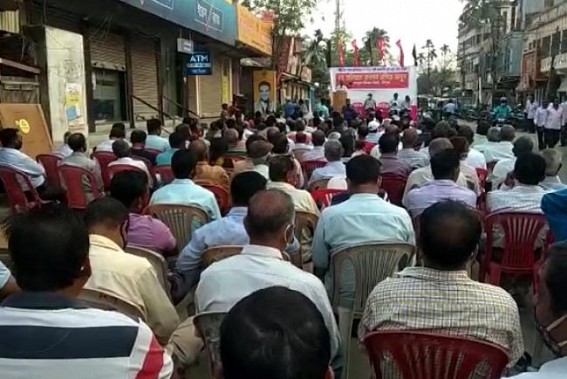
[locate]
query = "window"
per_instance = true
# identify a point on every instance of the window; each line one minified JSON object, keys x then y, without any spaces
{"x":546,"y":47}
{"x":555,"y":43}
{"x":109,"y":95}
{"x":564,"y":41}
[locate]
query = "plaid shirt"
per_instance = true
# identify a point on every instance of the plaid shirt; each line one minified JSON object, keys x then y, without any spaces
{"x":429,"y":300}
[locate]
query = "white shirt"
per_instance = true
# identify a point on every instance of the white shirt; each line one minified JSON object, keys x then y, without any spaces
{"x":64,"y":151}
{"x":226,"y":282}
{"x":374,"y":125}
{"x":554,"y":119}
{"x":554,"y":369}
{"x":315,"y":154}
{"x":134,"y":163}
{"x":107,"y":145}
{"x":496,"y":151}
{"x":17,"y":160}
{"x":476,"y":159}
{"x":518,"y":199}
{"x":532,"y":110}
{"x":501,"y":171}
{"x":540,"y":116}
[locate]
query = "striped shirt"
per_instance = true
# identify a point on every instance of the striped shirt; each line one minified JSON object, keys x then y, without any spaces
{"x":49,"y":336}
{"x":428,"y":300}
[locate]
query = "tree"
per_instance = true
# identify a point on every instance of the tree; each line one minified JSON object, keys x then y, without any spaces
{"x":430,"y":57}
{"x":289,"y":20}
{"x":370,"y":41}
{"x":317,"y":57}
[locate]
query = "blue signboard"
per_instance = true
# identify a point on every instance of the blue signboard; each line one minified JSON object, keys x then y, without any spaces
{"x":199,"y":63}
{"x":213,"y":18}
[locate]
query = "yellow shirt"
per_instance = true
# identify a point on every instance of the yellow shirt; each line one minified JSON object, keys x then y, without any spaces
{"x":302,"y":200}
{"x":213,"y":174}
{"x":133,"y":279}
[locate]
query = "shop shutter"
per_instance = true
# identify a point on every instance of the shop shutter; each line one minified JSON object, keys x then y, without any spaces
{"x":54,"y":17}
{"x":144,"y":76}
{"x":210,"y":88}
{"x":107,"y":49}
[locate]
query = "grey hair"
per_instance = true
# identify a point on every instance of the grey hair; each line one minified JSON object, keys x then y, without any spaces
{"x":553,"y":160}
{"x":438,"y":145}
{"x":493,"y":134}
{"x":333,"y":150}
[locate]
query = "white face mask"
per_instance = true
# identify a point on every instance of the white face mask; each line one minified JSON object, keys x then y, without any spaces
{"x":545,"y":332}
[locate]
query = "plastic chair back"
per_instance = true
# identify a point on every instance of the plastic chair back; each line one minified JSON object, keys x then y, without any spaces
{"x":182,"y":220}
{"x":309,"y":166}
{"x":74,"y":179}
{"x":163,"y":174}
{"x":104,"y":158}
{"x":208,"y":326}
{"x":482,"y":176}
{"x":218,"y":253}
{"x":50,"y":163}
{"x":221,"y":194}
{"x":415,"y":355}
{"x":323,"y":197}
{"x":394,"y":186}
{"x":305,"y":224}
{"x":318,"y":185}
{"x":156,"y":260}
{"x":109,"y":302}
{"x":115,"y":169}
{"x":16,"y":184}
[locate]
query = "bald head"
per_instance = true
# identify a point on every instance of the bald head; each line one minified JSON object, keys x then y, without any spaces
{"x":409,"y":138}
{"x":199,"y":149}
{"x":438,"y":145}
{"x":269,"y":214}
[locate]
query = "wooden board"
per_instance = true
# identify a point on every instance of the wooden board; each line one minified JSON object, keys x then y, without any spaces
{"x":339,"y":99}
{"x":29,"y":119}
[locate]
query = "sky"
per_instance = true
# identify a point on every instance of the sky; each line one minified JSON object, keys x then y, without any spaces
{"x":412,"y":21}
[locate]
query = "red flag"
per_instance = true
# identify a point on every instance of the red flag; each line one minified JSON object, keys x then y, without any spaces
{"x":402,"y":58}
{"x":356,"y":53}
{"x":381,"y":49}
{"x":341,"y":49}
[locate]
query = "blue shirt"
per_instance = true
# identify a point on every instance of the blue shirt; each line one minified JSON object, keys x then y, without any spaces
{"x":450,"y":108}
{"x":165,"y":157}
{"x":289,"y":109}
{"x":157,"y":143}
{"x":364,"y":218}
{"x":330,"y":170}
{"x":554,"y":207}
{"x":229,"y":230}
{"x":17,"y":160}
{"x":185,"y":192}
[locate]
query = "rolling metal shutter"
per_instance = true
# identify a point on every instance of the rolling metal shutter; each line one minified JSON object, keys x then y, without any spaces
{"x":210,"y":88}
{"x":107,"y":49}
{"x":144,"y":77}
{"x":54,"y":17}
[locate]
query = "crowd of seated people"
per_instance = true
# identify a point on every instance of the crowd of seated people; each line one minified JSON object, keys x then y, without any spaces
{"x":262,"y":162}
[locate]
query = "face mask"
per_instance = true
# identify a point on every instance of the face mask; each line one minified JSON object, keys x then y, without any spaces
{"x":288,"y":236}
{"x":545,"y":332}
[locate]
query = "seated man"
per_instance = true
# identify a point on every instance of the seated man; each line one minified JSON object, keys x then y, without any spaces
{"x":423,"y":175}
{"x":551,"y":312}
{"x":475,"y":158}
{"x":461,"y":146}
{"x":123,"y":155}
{"x":236,"y":144}
{"x":553,"y":159}
{"x":78,"y":143}
{"x":335,"y":166}
{"x":495,"y":151}
{"x":258,"y":152}
{"x":138,"y":139}
{"x":127,"y":276}
{"x":12,"y":157}
{"x":283,"y":178}
{"x":269,"y":223}
{"x":390,"y":163}
{"x":445,"y":169}
{"x":504,"y":167}
{"x":248,"y":349}
{"x":440,"y":297}
{"x":204,"y":171}
{"x":302,"y":142}
{"x":300,"y":127}
{"x":176,"y":142}
{"x":155,"y":141}
{"x":64,"y":150}
{"x":347,"y":224}
{"x":408,"y":154}
{"x":183,"y":190}
{"x":117,"y":133}
{"x":46,"y":331}
{"x":229,"y":230}
{"x":131,"y":189}
{"x":318,"y":151}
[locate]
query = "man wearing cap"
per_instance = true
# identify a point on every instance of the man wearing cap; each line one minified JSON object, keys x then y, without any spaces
{"x":369,"y":104}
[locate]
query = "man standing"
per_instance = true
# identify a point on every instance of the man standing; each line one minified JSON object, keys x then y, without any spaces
{"x":553,"y":124}
{"x":348,"y":111}
{"x":529,"y":112}
{"x":290,"y":108}
{"x":395,"y":104}
{"x":540,"y":121}
{"x":369,"y":104}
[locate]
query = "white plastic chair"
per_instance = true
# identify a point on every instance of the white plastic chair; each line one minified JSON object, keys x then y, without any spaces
{"x":156,"y":260}
{"x":208,"y":326}
{"x":372,"y":264}
{"x":109,"y":302}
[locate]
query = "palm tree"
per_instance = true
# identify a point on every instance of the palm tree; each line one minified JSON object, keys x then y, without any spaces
{"x":371,"y":39}
{"x":421,"y":59}
{"x":316,"y":52}
{"x":445,"y":55}
{"x":430,"y":56}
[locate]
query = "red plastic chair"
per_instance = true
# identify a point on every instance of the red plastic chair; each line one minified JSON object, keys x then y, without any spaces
{"x":145,"y":160}
{"x":309,"y":166}
{"x":50,"y":162}
{"x":521,"y":231}
{"x":73,"y":179}
{"x":394,"y":186}
{"x":221,"y":194}
{"x":114,"y":169}
{"x":418,"y":355}
{"x":104,"y":158}
{"x":482,"y":178}
{"x":323,"y":197}
{"x":22,"y":195}
{"x":163,"y":174}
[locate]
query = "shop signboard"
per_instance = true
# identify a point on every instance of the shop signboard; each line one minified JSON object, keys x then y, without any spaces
{"x":253,"y":31}
{"x":213,"y":18}
{"x":199,"y":63}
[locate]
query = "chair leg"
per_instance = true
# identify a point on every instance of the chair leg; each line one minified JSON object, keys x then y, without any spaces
{"x":345,"y":327}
